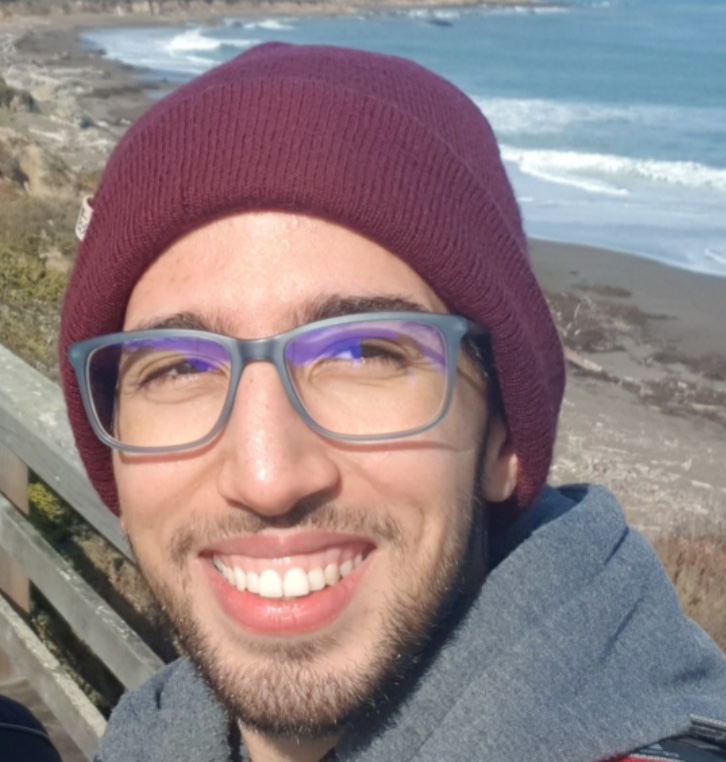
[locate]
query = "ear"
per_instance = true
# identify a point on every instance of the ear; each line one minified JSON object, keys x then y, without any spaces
{"x":501,"y":464}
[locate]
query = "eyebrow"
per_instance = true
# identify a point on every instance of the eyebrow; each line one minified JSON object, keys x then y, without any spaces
{"x":189,"y":321}
{"x":320,"y":309}
{"x":337,"y":306}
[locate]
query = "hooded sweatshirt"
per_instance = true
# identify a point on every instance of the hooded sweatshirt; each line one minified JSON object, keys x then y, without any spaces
{"x":575,"y":649}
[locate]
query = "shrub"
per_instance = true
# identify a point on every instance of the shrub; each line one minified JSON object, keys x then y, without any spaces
{"x":696,"y":564}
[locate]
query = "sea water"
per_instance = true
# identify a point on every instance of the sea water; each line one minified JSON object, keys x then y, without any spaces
{"x":611,"y":114}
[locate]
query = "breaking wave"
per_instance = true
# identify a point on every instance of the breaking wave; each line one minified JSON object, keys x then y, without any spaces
{"x":609,"y":174}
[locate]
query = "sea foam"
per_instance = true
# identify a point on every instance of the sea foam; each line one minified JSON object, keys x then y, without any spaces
{"x":603,"y":173}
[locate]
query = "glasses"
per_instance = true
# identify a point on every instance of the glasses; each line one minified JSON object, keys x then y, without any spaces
{"x":357,"y":378}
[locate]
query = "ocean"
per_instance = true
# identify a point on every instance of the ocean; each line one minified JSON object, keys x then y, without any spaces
{"x":611,"y":114}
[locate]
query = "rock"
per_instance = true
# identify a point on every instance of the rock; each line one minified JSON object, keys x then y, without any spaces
{"x":10,"y":172}
{"x":14,"y":99}
{"x":27,"y":166}
{"x":55,"y":262}
{"x":84,"y":121}
{"x":47,"y":174}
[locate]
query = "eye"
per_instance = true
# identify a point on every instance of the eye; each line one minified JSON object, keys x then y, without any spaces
{"x":184,"y":367}
{"x":153,"y":369}
{"x":362,"y":349}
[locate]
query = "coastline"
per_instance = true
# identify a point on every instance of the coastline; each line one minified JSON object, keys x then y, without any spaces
{"x":646,"y":402}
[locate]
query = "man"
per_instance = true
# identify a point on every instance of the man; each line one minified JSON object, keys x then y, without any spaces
{"x":312,"y":370}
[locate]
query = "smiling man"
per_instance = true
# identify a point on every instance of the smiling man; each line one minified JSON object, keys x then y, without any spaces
{"x":306,"y":360}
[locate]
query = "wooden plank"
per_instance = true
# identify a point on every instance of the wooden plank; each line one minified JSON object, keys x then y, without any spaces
{"x":14,"y":485}
{"x":7,"y":668}
{"x":13,"y":478}
{"x":34,"y":425}
{"x":64,"y":698}
{"x":91,"y":618}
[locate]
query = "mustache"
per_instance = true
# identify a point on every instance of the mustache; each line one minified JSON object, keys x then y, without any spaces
{"x":202,"y":531}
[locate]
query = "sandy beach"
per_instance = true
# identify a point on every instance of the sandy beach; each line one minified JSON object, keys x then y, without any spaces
{"x":647,"y":418}
{"x":645,"y":408}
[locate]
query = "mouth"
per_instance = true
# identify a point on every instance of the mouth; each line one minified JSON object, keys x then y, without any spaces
{"x":287,"y":585}
{"x":289,"y":578}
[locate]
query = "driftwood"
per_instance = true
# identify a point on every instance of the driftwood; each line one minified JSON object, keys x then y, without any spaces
{"x":576,"y":359}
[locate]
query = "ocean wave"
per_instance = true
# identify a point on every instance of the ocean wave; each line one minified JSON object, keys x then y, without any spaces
{"x":426,"y":14}
{"x":274,"y":25}
{"x":609,"y":174}
{"x":717,"y":257}
{"x":539,"y":116}
{"x":191,"y":40}
{"x":524,"y":9}
{"x":195,"y":41}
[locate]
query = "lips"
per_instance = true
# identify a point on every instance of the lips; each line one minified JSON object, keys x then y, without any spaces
{"x":285,"y":585}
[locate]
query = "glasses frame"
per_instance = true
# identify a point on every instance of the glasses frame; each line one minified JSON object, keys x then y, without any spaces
{"x":453,"y":328}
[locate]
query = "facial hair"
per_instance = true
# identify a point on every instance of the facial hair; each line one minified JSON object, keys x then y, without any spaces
{"x":283,"y":692}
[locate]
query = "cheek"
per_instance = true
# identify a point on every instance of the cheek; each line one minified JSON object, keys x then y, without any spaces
{"x":426,"y":490}
{"x":153,"y":497}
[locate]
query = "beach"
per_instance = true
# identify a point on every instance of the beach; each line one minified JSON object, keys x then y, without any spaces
{"x":645,"y":407}
{"x":647,"y":418}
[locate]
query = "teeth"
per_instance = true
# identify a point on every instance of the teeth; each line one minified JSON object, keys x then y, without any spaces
{"x":253,"y":582}
{"x":332,"y":574}
{"x":296,"y":583}
{"x":316,"y":579}
{"x":270,"y":584}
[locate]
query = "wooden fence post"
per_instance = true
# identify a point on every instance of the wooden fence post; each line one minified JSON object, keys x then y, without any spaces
{"x":14,"y":583}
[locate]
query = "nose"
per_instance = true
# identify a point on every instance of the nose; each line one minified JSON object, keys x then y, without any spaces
{"x":271,"y":460}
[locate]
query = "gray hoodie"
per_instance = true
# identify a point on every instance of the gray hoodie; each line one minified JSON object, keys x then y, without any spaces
{"x":575,"y":650}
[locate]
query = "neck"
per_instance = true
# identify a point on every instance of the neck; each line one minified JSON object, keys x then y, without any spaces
{"x":262,"y":748}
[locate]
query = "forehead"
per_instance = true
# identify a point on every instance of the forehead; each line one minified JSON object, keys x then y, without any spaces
{"x":260,"y":273}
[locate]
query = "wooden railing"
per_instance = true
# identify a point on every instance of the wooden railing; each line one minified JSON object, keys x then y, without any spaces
{"x":35,"y":436}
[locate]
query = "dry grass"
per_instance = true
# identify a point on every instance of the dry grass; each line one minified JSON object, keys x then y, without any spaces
{"x":696,"y":564}
{"x":31,"y":293}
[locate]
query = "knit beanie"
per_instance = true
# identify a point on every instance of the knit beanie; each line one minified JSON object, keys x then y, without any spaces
{"x":375,"y":143}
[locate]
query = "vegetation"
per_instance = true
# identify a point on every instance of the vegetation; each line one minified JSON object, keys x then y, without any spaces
{"x":696,"y":564}
{"x":35,"y":237}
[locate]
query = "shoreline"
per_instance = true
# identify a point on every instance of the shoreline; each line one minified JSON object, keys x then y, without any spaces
{"x":645,"y":408}
{"x":45,"y":55}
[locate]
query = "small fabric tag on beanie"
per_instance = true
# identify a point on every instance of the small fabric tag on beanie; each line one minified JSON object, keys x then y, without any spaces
{"x":84,"y":217}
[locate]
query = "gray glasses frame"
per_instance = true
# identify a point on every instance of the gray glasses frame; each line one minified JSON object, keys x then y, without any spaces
{"x":243,"y":351}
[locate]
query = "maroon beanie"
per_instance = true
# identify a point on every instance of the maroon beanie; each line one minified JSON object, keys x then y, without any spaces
{"x":372,"y":142}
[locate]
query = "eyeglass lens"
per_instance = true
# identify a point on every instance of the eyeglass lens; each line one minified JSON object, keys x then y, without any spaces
{"x":356,"y":379}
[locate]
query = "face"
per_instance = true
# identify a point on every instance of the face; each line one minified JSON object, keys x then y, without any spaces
{"x":391,"y":526}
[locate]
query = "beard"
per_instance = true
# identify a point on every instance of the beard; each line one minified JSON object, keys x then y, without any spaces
{"x":285,"y":691}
